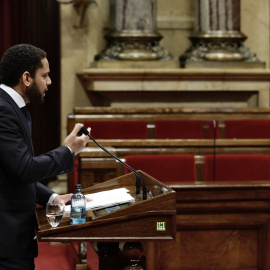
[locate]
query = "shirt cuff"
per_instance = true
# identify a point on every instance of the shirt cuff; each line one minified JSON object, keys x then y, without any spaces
{"x":71,"y":151}
{"x":52,"y":197}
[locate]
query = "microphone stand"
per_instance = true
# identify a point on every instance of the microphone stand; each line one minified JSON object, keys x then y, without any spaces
{"x":144,"y":191}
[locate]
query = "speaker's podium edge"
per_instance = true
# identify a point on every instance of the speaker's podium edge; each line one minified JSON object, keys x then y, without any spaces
{"x":153,"y":219}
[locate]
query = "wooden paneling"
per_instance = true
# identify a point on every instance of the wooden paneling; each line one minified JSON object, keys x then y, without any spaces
{"x":218,"y":227}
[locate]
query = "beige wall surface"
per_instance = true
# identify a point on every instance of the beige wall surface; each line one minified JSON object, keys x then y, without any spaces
{"x":255,"y":25}
{"x":175,"y":21}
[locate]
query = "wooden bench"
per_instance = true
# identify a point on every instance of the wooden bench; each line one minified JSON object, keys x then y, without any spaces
{"x":82,"y":114}
{"x":95,"y":165}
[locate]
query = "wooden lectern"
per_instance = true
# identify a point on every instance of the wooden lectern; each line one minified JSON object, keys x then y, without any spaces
{"x":153,"y":219}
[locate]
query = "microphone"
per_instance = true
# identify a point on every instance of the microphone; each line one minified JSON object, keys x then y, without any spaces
{"x":84,"y":131}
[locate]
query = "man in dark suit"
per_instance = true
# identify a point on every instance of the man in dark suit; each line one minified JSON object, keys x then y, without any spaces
{"x":24,"y":77}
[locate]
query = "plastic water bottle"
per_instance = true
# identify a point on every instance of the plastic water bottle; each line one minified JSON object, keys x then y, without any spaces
{"x":77,"y":213}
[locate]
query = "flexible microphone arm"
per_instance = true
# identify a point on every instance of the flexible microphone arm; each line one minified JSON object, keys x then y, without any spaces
{"x":144,"y":191}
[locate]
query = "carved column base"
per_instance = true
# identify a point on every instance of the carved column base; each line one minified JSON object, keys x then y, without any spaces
{"x":133,"y":46}
{"x":218,"y":48}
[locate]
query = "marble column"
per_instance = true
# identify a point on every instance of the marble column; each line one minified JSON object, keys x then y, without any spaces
{"x":217,"y":39}
{"x":218,"y":15}
{"x":133,"y":32}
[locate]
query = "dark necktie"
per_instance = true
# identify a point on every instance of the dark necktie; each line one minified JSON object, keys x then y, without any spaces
{"x":28,"y":117}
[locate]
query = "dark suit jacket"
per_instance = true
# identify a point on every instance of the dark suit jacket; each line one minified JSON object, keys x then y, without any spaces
{"x":20,"y":172}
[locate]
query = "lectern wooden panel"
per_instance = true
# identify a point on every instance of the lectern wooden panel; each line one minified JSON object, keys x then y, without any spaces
{"x":152,"y":219}
{"x":219,"y":226}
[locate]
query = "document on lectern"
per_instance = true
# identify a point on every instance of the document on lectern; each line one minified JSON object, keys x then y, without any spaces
{"x":106,"y":198}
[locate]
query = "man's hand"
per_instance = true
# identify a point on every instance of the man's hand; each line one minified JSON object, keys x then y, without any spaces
{"x":76,"y":143}
{"x":63,"y":198}
{"x":66,"y":198}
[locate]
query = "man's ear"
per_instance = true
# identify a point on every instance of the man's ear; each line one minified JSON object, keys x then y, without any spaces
{"x":26,"y":78}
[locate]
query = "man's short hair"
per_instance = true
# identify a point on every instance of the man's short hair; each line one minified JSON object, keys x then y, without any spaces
{"x":17,"y":60}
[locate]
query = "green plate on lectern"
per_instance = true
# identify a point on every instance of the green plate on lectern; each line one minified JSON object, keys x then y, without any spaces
{"x":107,"y":210}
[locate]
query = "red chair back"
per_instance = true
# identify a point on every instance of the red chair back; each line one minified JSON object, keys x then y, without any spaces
{"x":118,"y":129}
{"x":247,"y":129}
{"x":165,"y":168}
{"x":237,"y":167}
{"x":186,"y":129}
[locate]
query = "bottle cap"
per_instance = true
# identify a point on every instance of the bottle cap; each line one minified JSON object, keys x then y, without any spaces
{"x":77,"y":186}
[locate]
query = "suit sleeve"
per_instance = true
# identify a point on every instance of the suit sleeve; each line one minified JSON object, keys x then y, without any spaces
{"x":17,"y":157}
{"x":43,"y":194}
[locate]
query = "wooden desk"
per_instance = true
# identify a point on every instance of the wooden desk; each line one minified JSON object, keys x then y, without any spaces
{"x":152,"y":219}
{"x":219,"y":226}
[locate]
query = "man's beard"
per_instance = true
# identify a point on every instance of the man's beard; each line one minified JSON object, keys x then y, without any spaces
{"x":34,"y":94}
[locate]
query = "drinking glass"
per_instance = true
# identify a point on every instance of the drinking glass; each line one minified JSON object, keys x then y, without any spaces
{"x":54,"y":213}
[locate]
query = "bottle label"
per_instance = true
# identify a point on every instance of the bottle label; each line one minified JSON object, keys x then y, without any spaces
{"x":74,"y":221}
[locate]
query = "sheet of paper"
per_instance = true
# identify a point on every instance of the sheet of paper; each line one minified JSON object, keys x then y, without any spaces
{"x":106,"y":198}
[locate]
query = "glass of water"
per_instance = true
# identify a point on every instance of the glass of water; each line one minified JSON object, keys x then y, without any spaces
{"x":54,"y":213}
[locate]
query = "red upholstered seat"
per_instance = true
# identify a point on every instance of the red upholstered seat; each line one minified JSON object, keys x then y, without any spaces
{"x":165,"y":168}
{"x":247,"y":129}
{"x":237,"y":167}
{"x":185,"y":129}
{"x":118,"y":129}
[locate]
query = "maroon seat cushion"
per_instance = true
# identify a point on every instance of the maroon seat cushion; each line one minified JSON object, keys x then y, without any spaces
{"x":247,"y":129}
{"x":185,"y":129}
{"x":118,"y":129}
{"x":237,"y":167}
{"x":165,"y":168}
